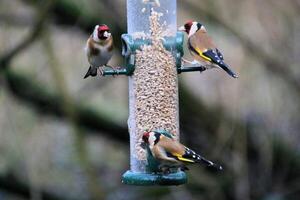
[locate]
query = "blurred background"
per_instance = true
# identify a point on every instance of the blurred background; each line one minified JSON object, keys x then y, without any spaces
{"x":63,"y":138}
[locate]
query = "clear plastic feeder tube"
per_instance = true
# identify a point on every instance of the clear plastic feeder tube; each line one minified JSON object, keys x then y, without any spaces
{"x":138,"y":12}
{"x":153,"y":87}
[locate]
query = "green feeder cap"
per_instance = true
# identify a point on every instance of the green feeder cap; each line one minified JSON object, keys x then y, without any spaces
{"x":147,"y":179}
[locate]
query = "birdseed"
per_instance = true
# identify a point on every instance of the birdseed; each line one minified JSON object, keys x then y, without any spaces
{"x":155,"y":87}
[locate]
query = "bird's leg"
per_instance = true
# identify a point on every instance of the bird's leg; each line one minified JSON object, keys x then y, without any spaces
{"x":186,"y":61}
{"x":160,"y":168}
{"x":114,"y":68}
{"x":164,"y":169}
{"x":101,"y":71}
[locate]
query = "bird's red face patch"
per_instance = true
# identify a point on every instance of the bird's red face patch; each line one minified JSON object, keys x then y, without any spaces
{"x":188,"y":26}
{"x":102,"y":28}
{"x":102,"y":31}
{"x":146,"y":137}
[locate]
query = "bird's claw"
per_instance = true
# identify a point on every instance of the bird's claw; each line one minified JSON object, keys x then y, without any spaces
{"x":194,"y":62}
{"x":114,"y":68}
{"x":166,"y":171}
{"x":101,"y":71}
{"x":185,"y":61}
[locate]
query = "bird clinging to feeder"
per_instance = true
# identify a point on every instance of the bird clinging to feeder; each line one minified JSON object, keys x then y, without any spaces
{"x":171,"y":154}
{"x":203,"y":49}
{"x":99,"y":49}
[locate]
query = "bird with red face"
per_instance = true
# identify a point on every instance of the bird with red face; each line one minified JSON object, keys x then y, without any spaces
{"x":172,"y":154}
{"x":203,"y":49}
{"x":99,"y":49}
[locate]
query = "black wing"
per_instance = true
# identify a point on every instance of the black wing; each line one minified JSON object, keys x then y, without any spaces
{"x":216,"y":59}
{"x":220,"y":54}
{"x":190,"y":154}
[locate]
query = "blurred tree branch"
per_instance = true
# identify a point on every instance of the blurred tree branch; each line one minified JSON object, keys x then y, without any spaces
{"x":201,"y":124}
{"x":39,"y":97}
{"x":66,"y":12}
{"x":13,"y":185}
{"x":37,"y":28}
{"x":16,"y":20}
{"x":94,"y":186}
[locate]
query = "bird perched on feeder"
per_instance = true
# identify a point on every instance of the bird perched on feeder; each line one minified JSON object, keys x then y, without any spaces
{"x":172,"y":154}
{"x":99,"y":49}
{"x":203,"y":49}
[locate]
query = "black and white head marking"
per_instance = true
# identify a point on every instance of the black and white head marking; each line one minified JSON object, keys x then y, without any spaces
{"x":195,"y":27}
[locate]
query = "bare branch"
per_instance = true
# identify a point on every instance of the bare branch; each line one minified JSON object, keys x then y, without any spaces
{"x":39,"y":97}
{"x":67,"y":13}
{"x":36,"y":31}
{"x":11,"y":184}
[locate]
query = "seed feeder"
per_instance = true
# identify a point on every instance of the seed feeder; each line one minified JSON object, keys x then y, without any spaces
{"x":153,"y":51}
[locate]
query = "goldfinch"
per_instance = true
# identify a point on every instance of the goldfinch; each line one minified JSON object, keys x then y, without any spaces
{"x":99,"y":49}
{"x":203,"y":49}
{"x":172,"y":154}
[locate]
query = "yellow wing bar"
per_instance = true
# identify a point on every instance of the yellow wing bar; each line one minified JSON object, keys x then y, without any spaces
{"x":201,"y":54}
{"x":183,"y":159}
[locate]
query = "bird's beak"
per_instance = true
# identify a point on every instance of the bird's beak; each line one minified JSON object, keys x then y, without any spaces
{"x":181,"y":28}
{"x":106,"y":34}
{"x":229,"y":71}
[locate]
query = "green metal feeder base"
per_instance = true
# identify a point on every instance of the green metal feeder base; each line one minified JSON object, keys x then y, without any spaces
{"x":138,"y":178}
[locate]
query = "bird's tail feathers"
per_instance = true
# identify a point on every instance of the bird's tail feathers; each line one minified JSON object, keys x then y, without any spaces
{"x":92,"y":71}
{"x":208,"y":163}
{"x":199,"y":159}
{"x":226,"y":68}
